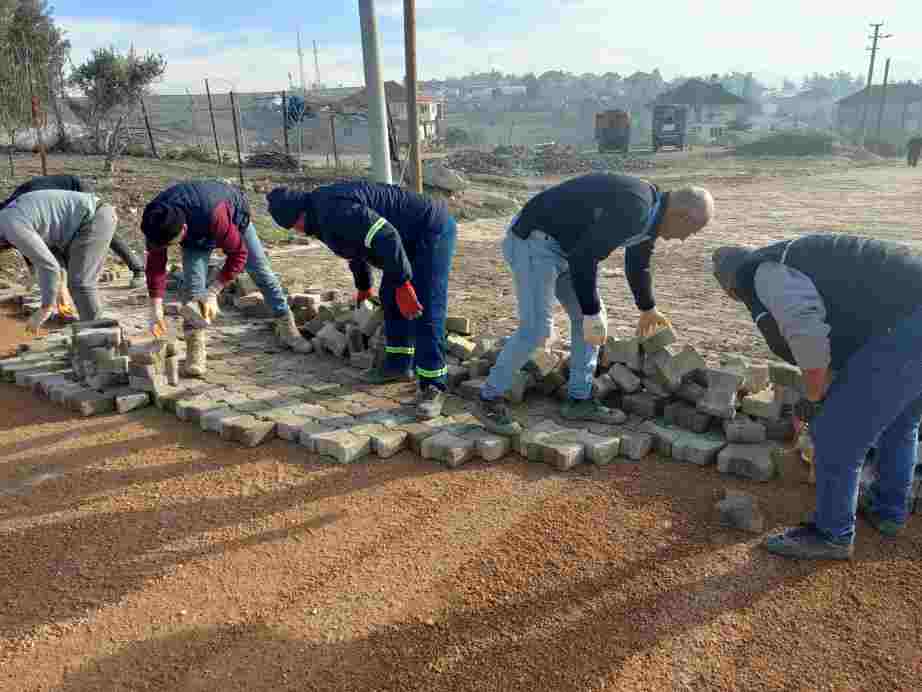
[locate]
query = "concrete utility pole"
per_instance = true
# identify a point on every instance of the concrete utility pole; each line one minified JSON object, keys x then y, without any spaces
{"x":883,"y":97}
{"x":374,"y":87}
{"x":409,"y":30}
{"x":867,"y":100}
{"x":301,"y":66}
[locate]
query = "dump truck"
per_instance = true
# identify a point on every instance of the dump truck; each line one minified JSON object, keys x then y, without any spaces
{"x":669,"y":126}
{"x":613,"y":131}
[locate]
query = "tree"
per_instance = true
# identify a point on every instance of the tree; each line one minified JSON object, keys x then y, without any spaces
{"x":32,"y":55}
{"x":113,"y":85}
{"x":532,"y":86}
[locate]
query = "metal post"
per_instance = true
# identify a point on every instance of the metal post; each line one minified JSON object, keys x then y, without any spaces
{"x":409,"y":31}
{"x":285,"y":121}
{"x":333,"y":139}
{"x":214,"y":128}
{"x":374,"y":87}
{"x":237,"y":139}
{"x":150,"y":134}
{"x":883,"y":98}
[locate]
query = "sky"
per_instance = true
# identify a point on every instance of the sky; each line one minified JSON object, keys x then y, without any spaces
{"x":253,"y":47}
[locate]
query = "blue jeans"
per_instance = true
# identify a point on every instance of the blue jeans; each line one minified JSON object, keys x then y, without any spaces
{"x":195,"y":273}
{"x":876,"y":399}
{"x":421,"y":341}
{"x":541,"y":272}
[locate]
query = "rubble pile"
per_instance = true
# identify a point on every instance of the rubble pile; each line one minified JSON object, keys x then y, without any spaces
{"x":272,"y":159}
{"x":548,"y":159}
{"x":473,"y":161}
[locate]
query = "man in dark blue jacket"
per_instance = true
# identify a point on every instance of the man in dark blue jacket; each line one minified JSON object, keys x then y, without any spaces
{"x":554,"y":247}
{"x":412,"y":240}
{"x":75,"y":184}
{"x":850,"y":305}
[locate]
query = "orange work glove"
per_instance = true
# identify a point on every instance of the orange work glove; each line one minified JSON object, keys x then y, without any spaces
{"x":408,"y":303}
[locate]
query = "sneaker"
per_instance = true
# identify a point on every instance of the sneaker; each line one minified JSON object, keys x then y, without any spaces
{"x":807,"y":542}
{"x":887,"y":527}
{"x":383,"y":376}
{"x":429,"y":402}
{"x":591,"y":410}
{"x":137,"y":280}
{"x":495,"y":416}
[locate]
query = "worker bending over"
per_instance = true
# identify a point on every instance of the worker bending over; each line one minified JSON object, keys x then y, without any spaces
{"x":554,"y":247}
{"x":850,"y":305}
{"x":412,"y":240}
{"x":199,"y":216}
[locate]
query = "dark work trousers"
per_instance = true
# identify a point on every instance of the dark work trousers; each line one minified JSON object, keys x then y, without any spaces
{"x":421,"y":342}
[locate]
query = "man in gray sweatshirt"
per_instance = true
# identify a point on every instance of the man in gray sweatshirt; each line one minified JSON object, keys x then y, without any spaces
{"x":73,"y":225}
{"x":850,"y":305}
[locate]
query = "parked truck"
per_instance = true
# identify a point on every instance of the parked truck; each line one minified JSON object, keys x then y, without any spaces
{"x":669,"y":126}
{"x":613,"y":131}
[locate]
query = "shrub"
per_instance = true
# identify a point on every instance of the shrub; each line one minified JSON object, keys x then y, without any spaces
{"x":790,"y":144}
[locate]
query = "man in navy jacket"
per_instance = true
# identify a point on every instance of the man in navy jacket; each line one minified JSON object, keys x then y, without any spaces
{"x":410,"y":238}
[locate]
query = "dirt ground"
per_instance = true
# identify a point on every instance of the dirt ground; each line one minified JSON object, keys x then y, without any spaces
{"x":140,"y":554}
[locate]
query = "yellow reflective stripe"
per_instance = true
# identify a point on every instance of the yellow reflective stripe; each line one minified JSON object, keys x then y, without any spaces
{"x":375,"y":227}
{"x":404,"y":350}
{"x":432,"y":373}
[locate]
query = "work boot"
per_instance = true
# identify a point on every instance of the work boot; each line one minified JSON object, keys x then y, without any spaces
{"x":429,"y":402}
{"x":807,"y":542}
{"x":591,"y":410}
{"x":286,"y":331}
{"x":196,"y":353}
{"x":137,"y":280}
{"x":386,"y":376}
{"x":192,"y":315}
{"x":495,"y":416}
{"x":888,"y":527}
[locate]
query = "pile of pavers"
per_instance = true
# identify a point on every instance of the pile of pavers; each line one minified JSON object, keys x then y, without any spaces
{"x":733,"y":413}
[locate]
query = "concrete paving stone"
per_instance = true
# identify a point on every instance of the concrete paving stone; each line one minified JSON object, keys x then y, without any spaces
{"x":95,"y":338}
{"x":450,"y":449}
{"x":636,"y":445}
{"x":483,"y":346}
{"x":105,"y":380}
{"x":332,"y":340}
{"x":342,"y":446}
{"x":744,"y":430}
{"x":118,"y":365}
{"x":388,"y":442}
{"x":288,"y":427}
{"x":786,"y":375}
{"x":543,"y":362}
{"x":151,"y":385}
{"x":724,"y":380}
{"x":623,"y":378}
{"x":212,"y":421}
{"x":691,"y":392}
{"x":780,"y":430}
{"x":470,"y":389}
{"x":651,"y":362}
{"x":26,"y":377}
{"x":30,"y":379}
{"x":130,"y":402}
{"x":191,"y":410}
{"x":603,"y":387}
{"x":460,"y":347}
{"x":324,"y":387}
{"x":247,"y":430}
{"x":786,"y":396}
{"x":456,"y":375}
{"x":59,"y":393}
{"x":102,"y":354}
{"x":355,"y":339}
{"x":658,"y":341}
{"x":522,"y":382}
{"x":655,"y":387}
{"x":718,"y":403}
{"x":85,"y":325}
{"x":623,"y":351}
{"x":664,"y":436}
{"x":363,"y":361}
{"x":755,"y":462}
{"x":389,"y":419}
{"x":10,"y":372}
{"x":307,"y":433}
{"x":550,"y":384}
{"x":534,"y":434}
{"x":166,"y":398}
{"x":417,"y":434}
{"x":488,"y":446}
{"x":686,"y":416}
{"x":741,"y":511}
{"x":559,"y":450}
{"x":44,"y":384}
{"x":172,"y":370}
{"x":251,"y":406}
{"x":90,"y":403}
{"x":458,"y":325}
{"x":701,"y":450}
{"x":762,"y":405}
{"x":643,"y":404}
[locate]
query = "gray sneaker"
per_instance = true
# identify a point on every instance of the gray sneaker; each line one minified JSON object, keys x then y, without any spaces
{"x":807,"y":542}
{"x":591,"y":410}
{"x":495,"y":416}
{"x":429,"y":402}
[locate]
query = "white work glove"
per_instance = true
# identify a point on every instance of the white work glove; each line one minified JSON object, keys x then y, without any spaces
{"x":210,"y":307}
{"x":595,"y":328}
{"x":38,"y":318}
{"x":157,"y":322}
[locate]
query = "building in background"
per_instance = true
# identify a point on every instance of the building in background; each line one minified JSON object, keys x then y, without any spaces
{"x":902,"y":109}
{"x":711,"y":108}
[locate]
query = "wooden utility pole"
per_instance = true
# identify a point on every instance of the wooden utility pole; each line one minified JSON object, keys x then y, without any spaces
{"x":237,"y":139}
{"x":875,"y":39}
{"x":409,"y":36}
{"x":333,"y":138}
{"x":214,"y":128}
{"x":883,"y":97}
{"x":285,"y":121}
{"x":150,"y":134}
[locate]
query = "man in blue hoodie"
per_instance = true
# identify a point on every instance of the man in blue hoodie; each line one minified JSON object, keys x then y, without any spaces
{"x":412,"y":240}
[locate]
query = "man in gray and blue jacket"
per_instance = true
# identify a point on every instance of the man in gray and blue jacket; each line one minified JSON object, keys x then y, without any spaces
{"x":73,"y":225}
{"x":554,"y":247}
{"x":853,"y":306}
